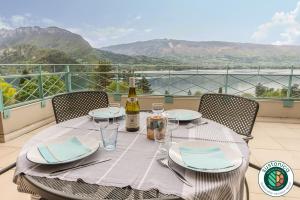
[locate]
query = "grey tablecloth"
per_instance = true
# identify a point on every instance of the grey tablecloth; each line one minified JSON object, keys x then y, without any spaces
{"x":134,"y":161}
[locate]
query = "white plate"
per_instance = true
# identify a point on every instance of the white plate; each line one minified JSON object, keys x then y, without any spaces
{"x":234,"y":156}
{"x":106,"y":113}
{"x":87,"y":140}
{"x":183,"y":115}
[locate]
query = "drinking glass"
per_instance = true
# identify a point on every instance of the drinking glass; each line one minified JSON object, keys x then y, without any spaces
{"x":109,"y":136}
{"x":114,"y":109}
{"x":172,"y":124}
{"x":101,"y":122}
{"x":157,"y":108}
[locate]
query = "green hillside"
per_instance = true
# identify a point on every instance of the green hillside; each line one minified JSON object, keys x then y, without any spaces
{"x":31,"y":54}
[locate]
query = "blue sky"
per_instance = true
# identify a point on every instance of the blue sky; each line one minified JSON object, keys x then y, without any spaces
{"x":110,"y":22}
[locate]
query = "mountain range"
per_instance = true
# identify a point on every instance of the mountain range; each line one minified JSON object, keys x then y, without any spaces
{"x":36,"y":44}
{"x":212,"y":53}
{"x":57,"y":45}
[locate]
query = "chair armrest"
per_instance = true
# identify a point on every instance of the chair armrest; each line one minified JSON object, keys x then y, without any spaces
{"x":5,"y":169}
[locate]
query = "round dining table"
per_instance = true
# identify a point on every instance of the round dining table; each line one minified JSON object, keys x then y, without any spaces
{"x":133,"y":171}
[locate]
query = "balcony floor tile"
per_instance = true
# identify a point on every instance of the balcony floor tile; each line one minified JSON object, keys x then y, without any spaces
{"x":9,"y":189}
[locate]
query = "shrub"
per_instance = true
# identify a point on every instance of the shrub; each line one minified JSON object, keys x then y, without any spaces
{"x":8,"y":92}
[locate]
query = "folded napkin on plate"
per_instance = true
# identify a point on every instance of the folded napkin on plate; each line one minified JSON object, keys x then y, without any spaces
{"x":204,"y":158}
{"x":67,"y":150}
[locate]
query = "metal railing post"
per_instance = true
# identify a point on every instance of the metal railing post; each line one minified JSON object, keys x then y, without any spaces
{"x":117,"y":95}
{"x":40,"y":83}
{"x":226,"y":80}
{"x":118,"y":84}
{"x":168,"y":97}
{"x":68,"y":81}
{"x":289,"y":92}
{"x":258,"y":75}
{"x":1,"y":101}
{"x":169,"y":81}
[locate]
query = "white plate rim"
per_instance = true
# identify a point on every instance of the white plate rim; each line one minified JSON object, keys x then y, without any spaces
{"x":175,"y":159}
{"x":120,"y":114}
{"x":42,"y":161}
{"x":197,"y":114}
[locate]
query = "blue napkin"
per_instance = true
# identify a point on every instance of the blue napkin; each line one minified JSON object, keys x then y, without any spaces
{"x":204,"y":158}
{"x":67,"y":150}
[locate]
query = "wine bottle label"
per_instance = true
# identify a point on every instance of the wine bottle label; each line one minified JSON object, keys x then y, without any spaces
{"x":132,"y":120}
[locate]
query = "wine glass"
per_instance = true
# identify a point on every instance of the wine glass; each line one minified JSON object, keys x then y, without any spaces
{"x":161,"y":136}
{"x":157,"y":108}
{"x":114,"y":109}
{"x":172,"y":124}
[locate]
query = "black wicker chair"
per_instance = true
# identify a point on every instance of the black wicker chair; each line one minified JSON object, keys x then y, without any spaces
{"x":77,"y":104}
{"x":237,"y":113}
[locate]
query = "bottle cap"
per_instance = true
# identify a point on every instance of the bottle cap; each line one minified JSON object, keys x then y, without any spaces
{"x":131,"y":82}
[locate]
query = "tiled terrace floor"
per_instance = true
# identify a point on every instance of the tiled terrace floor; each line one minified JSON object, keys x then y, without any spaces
{"x":273,"y":141}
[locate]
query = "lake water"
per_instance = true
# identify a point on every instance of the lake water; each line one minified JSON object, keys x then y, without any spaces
{"x":238,"y":82}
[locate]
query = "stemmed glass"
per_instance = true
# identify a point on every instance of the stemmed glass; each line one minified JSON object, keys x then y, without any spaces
{"x":162,"y":137}
{"x":157,"y":108}
{"x":114,"y":109}
{"x":160,"y":128}
{"x":172,"y":124}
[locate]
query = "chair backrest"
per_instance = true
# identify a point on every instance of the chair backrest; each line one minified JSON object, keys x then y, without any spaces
{"x":235,"y":112}
{"x":72,"y":105}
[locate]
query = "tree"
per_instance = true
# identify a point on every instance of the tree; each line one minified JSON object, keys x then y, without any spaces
{"x":124,"y":76}
{"x":123,"y":87}
{"x":263,"y":91}
{"x":53,"y":85}
{"x":284,"y":92}
{"x":247,"y":95}
{"x":220,"y":91}
{"x":29,"y":90}
{"x":144,"y":85}
{"x":198,"y":93}
{"x":295,"y":91}
{"x":8,"y":92}
{"x":260,"y":90}
{"x":102,"y":78}
{"x":23,"y":79}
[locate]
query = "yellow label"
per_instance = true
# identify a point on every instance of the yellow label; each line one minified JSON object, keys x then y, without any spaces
{"x":132,"y":120}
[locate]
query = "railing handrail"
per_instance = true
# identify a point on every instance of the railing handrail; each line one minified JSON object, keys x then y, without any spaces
{"x":195,"y":66}
{"x":38,"y":76}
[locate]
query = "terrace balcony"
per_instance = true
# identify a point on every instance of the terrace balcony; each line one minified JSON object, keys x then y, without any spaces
{"x":25,"y":105}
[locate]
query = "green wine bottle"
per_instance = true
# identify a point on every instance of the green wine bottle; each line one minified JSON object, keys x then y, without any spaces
{"x":132,"y":108}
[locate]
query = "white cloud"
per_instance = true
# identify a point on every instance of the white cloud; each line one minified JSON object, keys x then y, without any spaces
{"x":19,"y":20}
{"x":49,"y":22}
{"x":138,"y":17}
{"x":284,"y":28}
{"x":26,"y":19}
{"x":148,"y":30}
{"x":3,"y":24}
{"x":100,"y":36}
